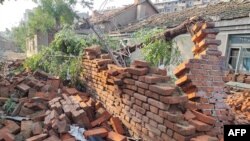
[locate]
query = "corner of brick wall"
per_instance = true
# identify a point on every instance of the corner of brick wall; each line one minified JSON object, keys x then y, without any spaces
{"x":201,"y":79}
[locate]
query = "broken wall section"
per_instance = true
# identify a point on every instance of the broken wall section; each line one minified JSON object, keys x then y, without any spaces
{"x":201,"y":79}
{"x":142,"y":97}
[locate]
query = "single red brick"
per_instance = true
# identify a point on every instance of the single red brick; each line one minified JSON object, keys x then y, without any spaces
{"x":155,"y":117}
{"x":66,"y":137}
{"x":180,"y":69}
{"x":101,"y":132}
{"x":141,"y":78}
{"x":23,"y":87}
{"x":116,"y":137}
{"x":182,"y":80}
{"x":26,"y":128}
{"x":139,"y":109}
{"x":173,"y":99}
{"x":129,"y":92}
{"x":204,"y":118}
{"x":71,"y":91}
{"x":200,"y":126}
{"x":162,"y":128}
{"x":140,"y":63}
{"x":2,"y":131}
{"x":138,"y":102}
{"x":154,"y":109}
{"x":104,"y":117}
{"x":141,"y":84}
{"x":158,"y":104}
{"x":37,"y":137}
{"x":80,"y":117}
{"x":8,"y":137}
{"x":37,"y":128}
{"x":162,"y":89}
{"x":137,"y":71}
{"x":140,"y":97}
{"x":145,"y":106}
{"x":129,"y":81}
{"x":184,"y":129}
{"x":170,"y":132}
{"x":204,"y":138}
{"x":152,"y":79}
{"x":52,"y":138}
{"x":117,"y":125}
{"x":158,"y":71}
{"x":189,"y":115}
{"x":12,"y":126}
{"x":153,"y":123}
{"x":141,"y":91}
{"x":63,"y":127}
{"x":156,"y":131}
{"x":152,"y":95}
{"x":169,"y":124}
{"x":180,"y":137}
{"x":165,"y":137}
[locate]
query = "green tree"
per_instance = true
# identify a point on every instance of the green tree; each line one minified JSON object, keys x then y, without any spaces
{"x":19,"y":35}
{"x":157,"y":52}
{"x":60,"y":10}
{"x":40,"y":21}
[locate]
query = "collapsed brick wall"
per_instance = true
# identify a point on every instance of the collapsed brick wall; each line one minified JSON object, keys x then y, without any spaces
{"x":143,"y":98}
{"x":201,"y":79}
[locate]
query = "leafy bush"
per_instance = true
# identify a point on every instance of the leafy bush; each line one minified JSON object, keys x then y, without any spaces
{"x":158,"y":51}
{"x":63,"y":57}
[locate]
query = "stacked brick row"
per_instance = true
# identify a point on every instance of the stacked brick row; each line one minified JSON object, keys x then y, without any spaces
{"x":201,"y":79}
{"x":239,"y":77}
{"x":148,"y":105}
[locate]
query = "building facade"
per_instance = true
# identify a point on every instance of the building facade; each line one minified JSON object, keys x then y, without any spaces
{"x":112,"y":20}
{"x":169,"y":6}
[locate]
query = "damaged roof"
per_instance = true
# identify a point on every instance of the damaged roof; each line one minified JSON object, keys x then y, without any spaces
{"x":220,"y":11}
{"x":105,"y":16}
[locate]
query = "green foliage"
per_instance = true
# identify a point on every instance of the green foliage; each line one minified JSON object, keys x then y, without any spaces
{"x":50,"y":15}
{"x":9,"y":106}
{"x":157,"y":52}
{"x":19,"y":35}
{"x":60,"y":10}
{"x":68,"y":42}
{"x":63,"y":57}
{"x":113,"y":43}
{"x":38,"y":24}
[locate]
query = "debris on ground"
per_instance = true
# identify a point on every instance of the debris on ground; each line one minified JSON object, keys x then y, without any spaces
{"x":240,"y":105}
{"x":37,"y":106}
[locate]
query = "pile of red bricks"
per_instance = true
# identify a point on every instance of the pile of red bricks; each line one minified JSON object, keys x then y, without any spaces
{"x":240,"y":104}
{"x":51,"y":108}
{"x":201,"y":79}
{"x":143,"y":98}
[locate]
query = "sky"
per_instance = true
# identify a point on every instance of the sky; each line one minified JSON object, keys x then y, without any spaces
{"x":11,"y":12}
